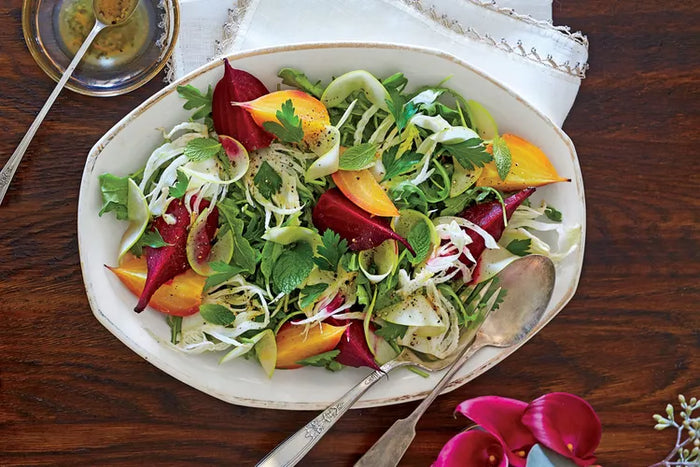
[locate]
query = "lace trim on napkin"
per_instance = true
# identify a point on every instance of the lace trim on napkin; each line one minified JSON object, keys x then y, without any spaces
{"x":578,"y":70}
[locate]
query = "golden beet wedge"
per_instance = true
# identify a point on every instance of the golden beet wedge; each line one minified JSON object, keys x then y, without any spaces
{"x":312,"y":113}
{"x":295,"y":343}
{"x":179,"y":297}
{"x":530,"y":167}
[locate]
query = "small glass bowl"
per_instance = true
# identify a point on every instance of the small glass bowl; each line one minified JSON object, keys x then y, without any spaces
{"x":157,"y":23}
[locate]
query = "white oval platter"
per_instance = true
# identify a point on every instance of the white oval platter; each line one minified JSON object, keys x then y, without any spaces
{"x":125,"y":147}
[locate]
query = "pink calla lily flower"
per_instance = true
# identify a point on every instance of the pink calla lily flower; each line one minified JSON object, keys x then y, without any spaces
{"x":474,"y":448}
{"x":566,"y":424}
{"x":501,"y":417}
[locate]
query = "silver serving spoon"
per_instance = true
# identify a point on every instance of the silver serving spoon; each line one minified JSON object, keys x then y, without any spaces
{"x":293,"y":449}
{"x":107,"y":13}
{"x":529,"y":287}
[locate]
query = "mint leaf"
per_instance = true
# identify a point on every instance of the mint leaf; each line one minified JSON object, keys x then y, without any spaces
{"x":359,"y":157}
{"x":519,"y":247}
{"x":270,"y":253}
{"x":311,"y":293}
{"x":390,"y":331}
{"x":470,"y":153}
{"x":150,"y":238}
{"x":552,"y":214}
{"x":297,"y":79}
{"x":201,"y":149}
{"x":292,"y":268}
{"x":216,"y":314}
{"x":330,"y":251}
{"x":196,"y":100}
{"x":288,"y":128}
{"x":178,"y":191}
{"x":223,"y":272}
{"x":115,"y":195}
{"x":403,"y":164}
{"x":267,"y":181}
{"x":322,"y":359}
{"x":419,"y":239}
{"x":501,"y":156}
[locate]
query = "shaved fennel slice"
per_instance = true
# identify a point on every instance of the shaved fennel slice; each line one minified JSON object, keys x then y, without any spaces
{"x":195,"y":127}
{"x":346,"y":115}
{"x":163,"y":154}
{"x":288,"y":163}
{"x":159,"y":195}
{"x":362,"y":124}
{"x":526,"y":219}
{"x":442,"y":345}
{"x":246,"y":301}
{"x":381,"y":130}
{"x":327,"y":148}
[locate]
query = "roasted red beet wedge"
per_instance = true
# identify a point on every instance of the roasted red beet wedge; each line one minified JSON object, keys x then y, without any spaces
{"x":489,"y":216}
{"x":361,"y":230}
{"x":238,"y":86}
{"x":353,"y":347}
{"x":166,"y":262}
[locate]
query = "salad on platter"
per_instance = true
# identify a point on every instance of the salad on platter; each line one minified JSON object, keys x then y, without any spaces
{"x":329,"y":225}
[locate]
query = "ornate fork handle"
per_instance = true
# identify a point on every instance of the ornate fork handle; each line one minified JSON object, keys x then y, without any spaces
{"x":294,"y":448}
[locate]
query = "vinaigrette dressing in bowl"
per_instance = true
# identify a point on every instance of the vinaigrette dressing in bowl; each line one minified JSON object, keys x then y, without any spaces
{"x":122,"y":58}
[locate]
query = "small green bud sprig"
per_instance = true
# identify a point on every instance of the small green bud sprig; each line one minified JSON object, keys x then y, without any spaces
{"x":687,"y":449}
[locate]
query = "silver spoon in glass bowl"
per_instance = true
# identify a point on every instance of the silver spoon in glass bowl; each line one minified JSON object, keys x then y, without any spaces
{"x":108,"y":13}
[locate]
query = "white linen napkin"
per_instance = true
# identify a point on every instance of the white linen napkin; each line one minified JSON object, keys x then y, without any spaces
{"x":514,"y":40}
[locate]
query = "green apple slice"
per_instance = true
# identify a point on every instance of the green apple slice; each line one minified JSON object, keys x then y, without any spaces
{"x":138,"y":218}
{"x":344,"y":85}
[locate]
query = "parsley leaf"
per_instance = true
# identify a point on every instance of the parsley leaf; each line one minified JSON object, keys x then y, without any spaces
{"x":201,"y":149}
{"x":288,"y":128}
{"x":519,"y":247}
{"x":311,"y":293}
{"x":216,"y":314}
{"x":403,"y":164}
{"x":390,"y":331}
{"x":358,"y":157}
{"x":330,"y":251}
{"x":292,"y":268}
{"x":552,"y":214}
{"x":150,"y":238}
{"x":115,"y":195}
{"x":244,"y":255}
{"x":401,"y":110}
{"x":419,"y":239}
{"x":267,"y":181}
{"x":196,"y":100}
{"x":297,"y":79}
{"x":470,"y":153}
{"x":325,"y":359}
{"x":178,"y":191}
{"x":501,"y":156}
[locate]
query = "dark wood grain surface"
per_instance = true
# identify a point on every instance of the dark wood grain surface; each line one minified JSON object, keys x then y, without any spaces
{"x":629,"y":341}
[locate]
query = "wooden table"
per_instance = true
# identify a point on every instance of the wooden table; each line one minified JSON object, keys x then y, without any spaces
{"x":629,"y":341}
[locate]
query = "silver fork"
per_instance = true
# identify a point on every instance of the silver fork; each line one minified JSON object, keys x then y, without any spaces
{"x":294,"y":448}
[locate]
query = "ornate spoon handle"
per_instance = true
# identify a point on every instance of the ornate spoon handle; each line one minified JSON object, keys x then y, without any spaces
{"x":294,"y":448}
